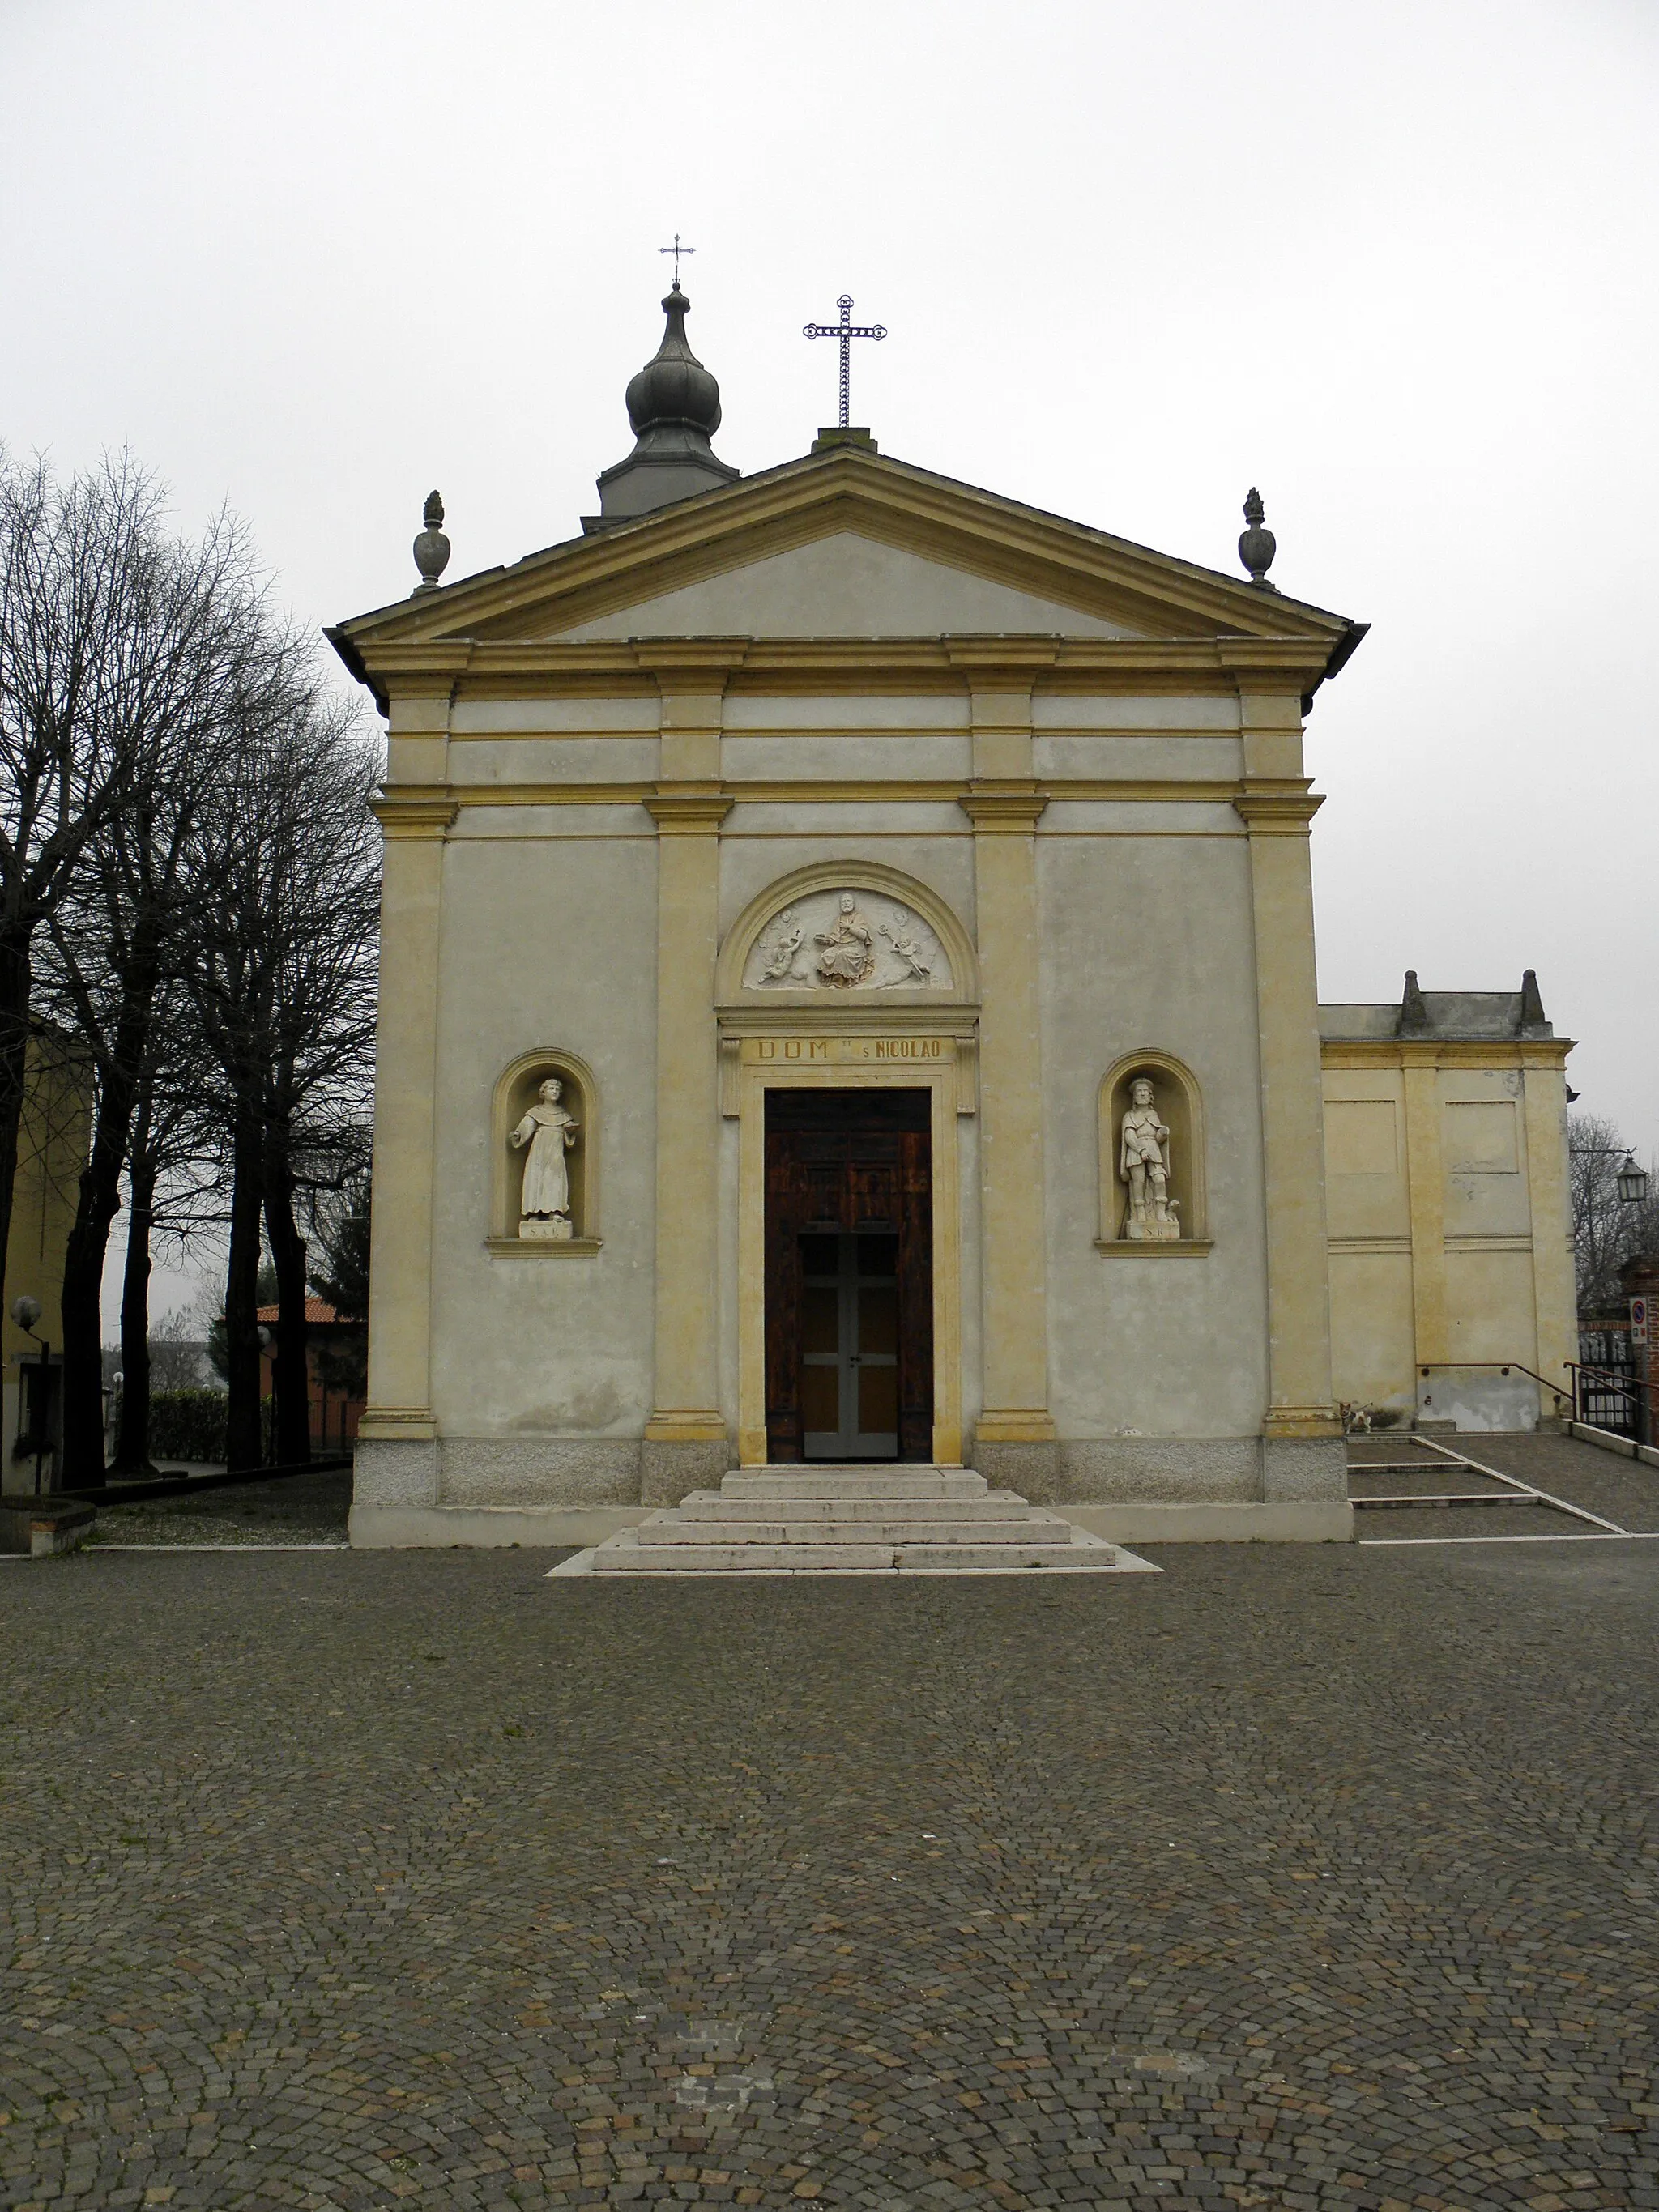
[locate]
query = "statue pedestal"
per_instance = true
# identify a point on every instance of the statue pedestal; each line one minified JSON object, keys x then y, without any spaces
{"x":547,"y":1228}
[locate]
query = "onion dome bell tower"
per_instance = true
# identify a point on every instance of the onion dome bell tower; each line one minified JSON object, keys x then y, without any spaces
{"x":674,"y":405}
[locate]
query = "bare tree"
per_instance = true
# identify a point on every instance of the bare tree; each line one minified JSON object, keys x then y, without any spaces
{"x":1606,"y":1230}
{"x":173,"y":1189}
{"x":120,"y":934}
{"x":177,"y":1356}
{"x":285,"y":979}
{"x":101,"y":627}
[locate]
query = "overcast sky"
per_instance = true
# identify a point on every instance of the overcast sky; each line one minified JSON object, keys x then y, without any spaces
{"x":1394,"y":263}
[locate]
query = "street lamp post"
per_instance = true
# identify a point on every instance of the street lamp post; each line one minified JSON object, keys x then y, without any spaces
{"x":26,"y":1311}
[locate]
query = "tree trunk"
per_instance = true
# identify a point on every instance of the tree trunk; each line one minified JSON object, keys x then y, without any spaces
{"x":82,"y":1384}
{"x":243,"y":1440}
{"x":98,"y":1203}
{"x":15,"y":983}
{"x":288,"y":1251}
{"x":132,"y":1439}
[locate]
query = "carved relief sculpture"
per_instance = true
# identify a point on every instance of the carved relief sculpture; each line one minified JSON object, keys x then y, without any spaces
{"x":778,"y":955}
{"x":833,"y":940}
{"x":848,"y":957}
{"x":918,"y":968}
{"x":550,"y":1133}
{"x":1143,"y":1164}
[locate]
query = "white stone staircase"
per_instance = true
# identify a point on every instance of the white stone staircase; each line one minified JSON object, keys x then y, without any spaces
{"x":819,"y":1519}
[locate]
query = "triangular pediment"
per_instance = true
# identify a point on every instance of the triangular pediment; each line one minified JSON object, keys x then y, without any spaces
{"x":843,"y":584}
{"x":845,"y":544}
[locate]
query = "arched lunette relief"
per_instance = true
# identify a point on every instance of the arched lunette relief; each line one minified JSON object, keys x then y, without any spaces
{"x":544,"y":1153}
{"x":844,"y":935}
{"x":1153,"y":1183}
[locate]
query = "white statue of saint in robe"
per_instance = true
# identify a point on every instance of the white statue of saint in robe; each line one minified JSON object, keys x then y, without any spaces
{"x":550,"y":1133}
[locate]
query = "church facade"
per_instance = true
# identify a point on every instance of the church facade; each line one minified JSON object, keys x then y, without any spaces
{"x":848,"y":993}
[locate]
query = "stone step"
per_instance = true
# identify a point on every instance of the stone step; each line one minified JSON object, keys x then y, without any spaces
{"x":625,"y":1554}
{"x":818,"y":1481}
{"x":912,"y":1558}
{"x":794,"y":1505}
{"x":680,"y":1528}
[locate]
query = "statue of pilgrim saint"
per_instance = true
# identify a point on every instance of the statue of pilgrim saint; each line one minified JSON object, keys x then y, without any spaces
{"x":1144,"y":1164}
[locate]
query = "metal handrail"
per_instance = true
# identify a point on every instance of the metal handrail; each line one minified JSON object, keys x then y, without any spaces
{"x":1617,"y":1381}
{"x":1502,"y":1367}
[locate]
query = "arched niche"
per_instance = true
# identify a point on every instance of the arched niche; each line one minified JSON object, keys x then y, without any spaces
{"x":516,"y":1088}
{"x":910,"y":928}
{"x":1180,"y":1107}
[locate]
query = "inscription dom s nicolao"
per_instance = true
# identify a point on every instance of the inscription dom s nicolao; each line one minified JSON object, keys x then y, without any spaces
{"x":844,"y":1051}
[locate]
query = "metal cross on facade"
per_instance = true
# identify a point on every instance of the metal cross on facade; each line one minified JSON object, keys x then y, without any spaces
{"x":845,"y":330}
{"x":677,"y":249}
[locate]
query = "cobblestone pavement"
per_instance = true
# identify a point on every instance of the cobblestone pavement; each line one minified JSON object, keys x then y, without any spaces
{"x":299,"y":1508}
{"x":1600,"y":1481}
{"x":1295,"y":1876}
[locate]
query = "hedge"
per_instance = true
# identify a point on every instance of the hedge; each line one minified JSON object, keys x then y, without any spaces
{"x":187,"y":1424}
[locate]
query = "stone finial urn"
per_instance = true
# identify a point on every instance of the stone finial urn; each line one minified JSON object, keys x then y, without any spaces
{"x":431,"y":548}
{"x":1257,"y":544}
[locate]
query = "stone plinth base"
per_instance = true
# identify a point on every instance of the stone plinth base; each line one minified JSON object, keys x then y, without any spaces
{"x":463,"y":1490}
{"x":1033,"y":1469}
{"x":669,"y":1472}
{"x":404,"y":1473}
{"x":1303,"y":1470}
{"x":1316,"y":1524}
{"x":404,"y":1527}
{"x":439,"y":1527}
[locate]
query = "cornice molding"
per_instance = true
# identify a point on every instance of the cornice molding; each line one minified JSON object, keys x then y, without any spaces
{"x":482,"y":668}
{"x":690,"y":810}
{"x":850,"y":791}
{"x":425,"y":682}
{"x":1276,"y":808}
{"x":1269,"y":664}
{"x":417,"y":813}
{"x":1000,"y":663}
{"x":691,"y":663}
{"x":1357,"y":1053}
{"x":1003,"y":811}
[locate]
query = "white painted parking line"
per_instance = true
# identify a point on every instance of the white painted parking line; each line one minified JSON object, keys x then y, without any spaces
{"x":1462,"y":1459}
{"x":1513,"y":1492}
{"x":1601,"y":1536}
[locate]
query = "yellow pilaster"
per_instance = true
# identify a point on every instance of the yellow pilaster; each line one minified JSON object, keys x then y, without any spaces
{"x":1004,"y":805}
{"x":1555,"y":1296}
{"x":414,"y":820}
{"x":1426,"y":1184}
{"x":1277,"y":807}
{"x":688,"y":807}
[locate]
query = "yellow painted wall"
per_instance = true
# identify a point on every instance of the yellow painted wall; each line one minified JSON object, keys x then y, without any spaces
{"x":52,"y":1152}
{"x":1445,"y":1172}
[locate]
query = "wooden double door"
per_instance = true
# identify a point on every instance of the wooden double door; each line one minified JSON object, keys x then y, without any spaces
{"x":849,"y":1275}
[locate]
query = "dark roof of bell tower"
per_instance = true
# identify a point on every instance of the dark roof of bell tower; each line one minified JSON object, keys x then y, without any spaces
{"x":674,"y":406}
